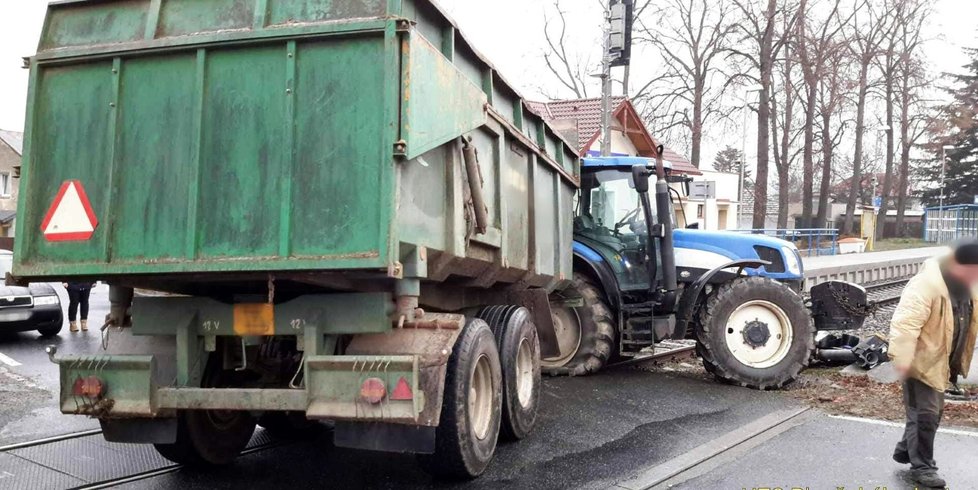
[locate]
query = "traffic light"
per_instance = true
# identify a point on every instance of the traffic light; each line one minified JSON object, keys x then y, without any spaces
{"x":620,"y":43}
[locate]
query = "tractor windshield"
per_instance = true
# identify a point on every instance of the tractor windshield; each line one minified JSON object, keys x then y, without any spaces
{"x":610,"y":201}
{"x":610,"y":219}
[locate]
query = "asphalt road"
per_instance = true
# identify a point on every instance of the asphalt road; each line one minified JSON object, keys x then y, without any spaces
{"x":28,"y":388}
{"x":594,"y":432}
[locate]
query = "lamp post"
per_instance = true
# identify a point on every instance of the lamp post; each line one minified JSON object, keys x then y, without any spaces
{"x":743,"y":154}
{"x":940,"y":222}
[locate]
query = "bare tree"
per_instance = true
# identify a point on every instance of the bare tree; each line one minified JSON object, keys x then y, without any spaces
{"x":903,"y":34}
{"x":813,"y":51}
{"x":865,"y":33}
{"x":914,"y":123}
{"x":832,"y":90}
{"x":758,"y":28}
{"x":570,"y":69}
{"x":783,"y":129}
{"x":690,"y":36}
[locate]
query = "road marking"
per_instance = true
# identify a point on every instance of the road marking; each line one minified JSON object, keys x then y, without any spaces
{"x":957,"y":432}
{"x":680,"y":468}
{"x":8,"y":361}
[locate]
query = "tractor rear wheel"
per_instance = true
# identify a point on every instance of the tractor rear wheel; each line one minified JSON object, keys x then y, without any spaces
{"x":585,"y":329}
{"x":755,"y":332}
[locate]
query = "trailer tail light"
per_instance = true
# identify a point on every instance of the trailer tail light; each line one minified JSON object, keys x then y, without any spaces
{"x":373,"y":391}
{"x":402,"y":391}
{"x":88,"y":387}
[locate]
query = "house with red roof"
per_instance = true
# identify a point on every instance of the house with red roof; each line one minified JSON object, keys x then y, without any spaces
{"x":712,"y":205}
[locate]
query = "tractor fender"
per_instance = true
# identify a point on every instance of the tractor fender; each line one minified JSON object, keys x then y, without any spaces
{"x":589,"y":262}
{"x":692,"y":293}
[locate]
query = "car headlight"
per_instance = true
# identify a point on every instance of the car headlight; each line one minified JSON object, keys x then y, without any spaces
{"x":791,"y":261}
{"x":46,"y":300}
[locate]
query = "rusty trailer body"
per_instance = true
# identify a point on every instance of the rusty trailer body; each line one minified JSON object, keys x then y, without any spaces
{"x":308,"y":176}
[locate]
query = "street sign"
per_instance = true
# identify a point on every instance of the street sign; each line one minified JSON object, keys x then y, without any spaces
{"x":877,"y":201}
{"x":70,"y":217}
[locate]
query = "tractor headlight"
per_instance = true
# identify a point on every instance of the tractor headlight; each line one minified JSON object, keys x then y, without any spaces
{"x":791,"y":260}
{"x":46,"y":300}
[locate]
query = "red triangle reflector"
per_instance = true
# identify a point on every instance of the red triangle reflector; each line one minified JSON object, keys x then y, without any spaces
{"x":402,"y":391}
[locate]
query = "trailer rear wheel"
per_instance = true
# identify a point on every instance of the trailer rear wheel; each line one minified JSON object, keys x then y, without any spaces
{"x":755,"y":332}
{"x":465,"y":439}
{"x":585,"y":332}
{"x":209,"y":437}
{"x":519,"y":352}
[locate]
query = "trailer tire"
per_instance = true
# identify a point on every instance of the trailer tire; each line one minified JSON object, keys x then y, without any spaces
{"x":767,"y":352}
{"x":519,"y":353}
{"x":595,"y":322}
{"x":209,"y":437}
{"x":468,"y":429}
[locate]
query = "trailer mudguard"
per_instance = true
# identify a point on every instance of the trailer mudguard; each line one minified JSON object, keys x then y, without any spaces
{"x":692,"y":293}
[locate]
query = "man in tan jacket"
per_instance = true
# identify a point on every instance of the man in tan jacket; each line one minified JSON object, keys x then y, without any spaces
{"x":932,"y":338}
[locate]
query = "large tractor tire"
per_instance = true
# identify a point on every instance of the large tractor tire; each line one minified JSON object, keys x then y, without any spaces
{"x":585,"y":331}
{"x":519,"y":352}
{"x":755,"y":332}
{"x":465,"y":439}
{"x":210,"y":437}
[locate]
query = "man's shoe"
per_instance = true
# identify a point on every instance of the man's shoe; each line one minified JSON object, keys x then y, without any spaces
{"x":928,"y":479}
{"x":73,"y":326}
{"x":902,"y":458}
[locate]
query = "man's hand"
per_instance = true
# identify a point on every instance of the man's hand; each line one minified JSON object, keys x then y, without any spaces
{"x":902,"y":370}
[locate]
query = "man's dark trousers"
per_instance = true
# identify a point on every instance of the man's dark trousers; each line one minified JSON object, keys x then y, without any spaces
{"x":925,"y":406}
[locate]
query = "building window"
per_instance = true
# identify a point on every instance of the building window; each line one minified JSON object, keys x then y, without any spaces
{"x":4,"y":184}
{"x":699,"y":211}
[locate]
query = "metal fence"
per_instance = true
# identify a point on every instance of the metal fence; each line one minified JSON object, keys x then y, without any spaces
{"x":950,"y":223}
{"x":811,"y":242}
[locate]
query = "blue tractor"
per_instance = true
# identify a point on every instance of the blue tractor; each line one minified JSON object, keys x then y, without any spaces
{"x":638,"y":281}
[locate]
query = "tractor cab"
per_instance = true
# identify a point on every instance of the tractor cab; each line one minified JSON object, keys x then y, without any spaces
{"x":609,"y":219}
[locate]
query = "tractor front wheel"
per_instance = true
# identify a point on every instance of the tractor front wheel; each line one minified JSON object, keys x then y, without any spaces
{"x":755,"y":332}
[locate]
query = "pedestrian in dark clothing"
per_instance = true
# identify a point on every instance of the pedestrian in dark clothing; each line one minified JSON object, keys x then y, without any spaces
{"x":932,"y":338}
{"x":78,"y":293}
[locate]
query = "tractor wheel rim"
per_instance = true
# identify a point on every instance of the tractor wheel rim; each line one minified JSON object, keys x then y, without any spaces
{"x":777,"y":344}
{"x":480,"y":398}
{"x":567,"y":327}
{"x":524,"y":373}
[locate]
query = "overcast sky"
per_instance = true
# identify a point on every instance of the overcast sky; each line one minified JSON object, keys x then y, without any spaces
{"x":508,"y":32}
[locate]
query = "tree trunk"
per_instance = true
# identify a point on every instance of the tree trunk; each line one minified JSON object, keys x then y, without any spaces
{"x":888,"y":175}
{"x":857,"y":161}
{"x":827,"y":150}
{"x":905,"y":146}
{"x":766,"y":62}
{"x":810,"y":70}
{"x":808,"y":163}
{"x":697,"y":123}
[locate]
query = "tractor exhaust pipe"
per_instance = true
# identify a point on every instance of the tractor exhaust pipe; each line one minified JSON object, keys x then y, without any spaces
{"x":666,"y":248}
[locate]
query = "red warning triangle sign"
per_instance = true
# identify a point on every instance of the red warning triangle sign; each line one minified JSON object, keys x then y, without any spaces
{"x":71,"y":217}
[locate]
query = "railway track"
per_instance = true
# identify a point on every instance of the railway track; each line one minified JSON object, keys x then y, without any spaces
{"x":885,"y":293}
{"x":129,"y":462}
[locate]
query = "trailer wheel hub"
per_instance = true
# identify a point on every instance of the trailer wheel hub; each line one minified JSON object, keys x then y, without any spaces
{"x":756,"y":333}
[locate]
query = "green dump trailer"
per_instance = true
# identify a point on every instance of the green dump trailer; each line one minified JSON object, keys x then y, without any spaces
{"x":346,"y":213}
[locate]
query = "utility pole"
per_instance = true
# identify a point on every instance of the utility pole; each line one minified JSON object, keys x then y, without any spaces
{"x":616,"y":52}
{"x":606,"y":91}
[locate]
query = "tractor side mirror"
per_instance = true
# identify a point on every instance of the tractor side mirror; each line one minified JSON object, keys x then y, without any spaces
{"x":640,"y":175}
